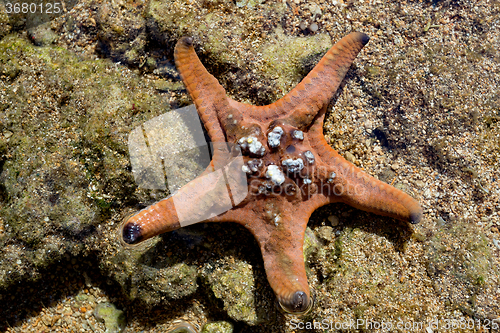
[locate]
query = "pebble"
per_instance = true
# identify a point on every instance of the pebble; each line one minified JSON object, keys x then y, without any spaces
{"x":350,"y":157}
{"x":47,"y":320}
{"x":419,"y":183}
{"x":326,"y":233}
{"x":113,"y":318}
{"x":334,"y":220}
{"x":315,"y":10}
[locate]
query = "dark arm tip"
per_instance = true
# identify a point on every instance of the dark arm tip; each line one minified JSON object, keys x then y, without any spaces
{"x":416,"y":216}
{"x":364,"y":38}
{"x":187,"y":41}
{"x":132,"y":233}
{"x":360,"y":37}
{"x":299,"y":304}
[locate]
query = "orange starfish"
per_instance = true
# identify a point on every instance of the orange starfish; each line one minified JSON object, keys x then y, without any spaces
{"x":290,"y":168}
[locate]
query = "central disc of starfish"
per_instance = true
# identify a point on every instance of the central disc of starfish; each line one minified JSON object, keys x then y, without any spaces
{"x":290,"y":170}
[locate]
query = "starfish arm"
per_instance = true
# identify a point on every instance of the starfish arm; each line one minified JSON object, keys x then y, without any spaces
{"x":279,"y":227}
{"x":367,"y":193}
{"x":206,"y":92}
{"x":197,"y":201}
{"x":354,"y":187}
{"x":149,"y":222}
{"x":285,"y":269}
{"x":303,"y":102}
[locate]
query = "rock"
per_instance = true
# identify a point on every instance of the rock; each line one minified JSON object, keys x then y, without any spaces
{"x":326,"y":233}
{"x":461,"y":274}
{"x":218,"y":327}
{"x":234,"y":284}
{"x":334,"y":220}
{"x":122,"y":31}
{"x":350,"y":157}
{"x":282,"y":54}
{"x":419,"y":183}
{"x":175,"y":282}
{"x":5,"y":26}
{"x":42,"y":35}
{"x":311,"y":243}
{"x":57,"y":201}
{"x":248,"y":3}
{"x":113,"y":318}
{"x":279,"y":59}
{"x":387,"y":175}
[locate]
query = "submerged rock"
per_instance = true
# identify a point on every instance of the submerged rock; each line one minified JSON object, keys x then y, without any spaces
{"x":461,"y":275}
{"x":122,"y":31}
{"x":218,"y":327}
{"x":234,"y":284}
{"x":66,"y":122}
{"x":113,"y":318}
{"x":42,"y":35}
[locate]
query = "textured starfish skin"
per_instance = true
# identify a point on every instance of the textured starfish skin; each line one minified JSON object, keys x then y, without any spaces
{"x":277,"y":211}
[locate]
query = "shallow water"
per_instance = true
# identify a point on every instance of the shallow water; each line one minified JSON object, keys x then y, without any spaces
{"x":418,"y":109}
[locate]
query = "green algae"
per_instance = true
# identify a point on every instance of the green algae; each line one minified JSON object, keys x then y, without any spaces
{"x":459,"y":274}
{"x":282,"y":57}
{"x":113,"y":318}
{"x":65,"y":161}
{"x":218,"y":327}
{"x":234,"y":284}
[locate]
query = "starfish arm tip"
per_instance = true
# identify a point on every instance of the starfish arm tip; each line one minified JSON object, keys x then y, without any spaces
{"x":416,"y":215}
{"x":364,"y":38}
{"x":299,"y":303}
{"x":131,"y":233}
{"x":187,"y":41}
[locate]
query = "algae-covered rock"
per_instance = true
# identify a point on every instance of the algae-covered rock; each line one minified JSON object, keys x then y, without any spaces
{"x":460,"y":275}
{"x":218,"y":327}
{"x":239,"y":55}
{"x":42,"y":35}
{"x":4,"y":21}
{"x":285,"y":58}
{"x":311,"y":244}
{"x":113,"y":318}
{"x":65,"y":122}
{"x":235,"y":285}
{"x":174,"y":282}
{"x":359,"y":267}
{"x":248,"y":3}
{"x":122,"y":31}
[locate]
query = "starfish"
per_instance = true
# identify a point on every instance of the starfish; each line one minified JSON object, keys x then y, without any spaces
{"x":289,"y":167}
